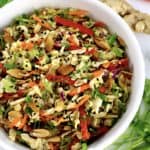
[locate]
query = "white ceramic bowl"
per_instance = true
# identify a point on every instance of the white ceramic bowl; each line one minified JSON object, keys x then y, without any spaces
{"x":100,"y":12}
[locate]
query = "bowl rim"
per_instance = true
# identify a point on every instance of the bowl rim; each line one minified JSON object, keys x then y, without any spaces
{"x":123,"y":122}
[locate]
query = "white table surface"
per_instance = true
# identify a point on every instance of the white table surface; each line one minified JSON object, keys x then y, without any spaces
{"x":144,"y":39}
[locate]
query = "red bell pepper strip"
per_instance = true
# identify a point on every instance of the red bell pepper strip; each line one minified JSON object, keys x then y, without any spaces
{"x":84,"y":124}
{"x":2,"y":69}
{"x":113,"y":66}
{"x":103,"y":130}
{"x":7,"y":96}
{"x":70,"y":23}
{"x":91,"y":52}
{"x":99,"y":24}
{"x":59,"y":78}
{"x":124,"y":62}
{"x":73,"y":44}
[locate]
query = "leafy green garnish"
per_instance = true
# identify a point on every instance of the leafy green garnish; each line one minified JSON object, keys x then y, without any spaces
{"x":4,"y":2}
{"x":21,"y":20}
{"x":10,"y":66}
{"x":97,"y":94}
{"x":137,"y":136}
{"x":112,"y":39}
{"x":51,"y":125}
{"x":146,"y":95}
{"x":18,"y":132}
{"x":34,"y":53}
{"x":28,"y":110}
{"x":1,"y":110}
{"x":9,"y":85}
{"x":84,"y":146}
{"x":28,"y":99}
{"x":48,"y":85}
{"x":117,"y":51}
{"x":63,"y":13}
{"x":65,"y":44}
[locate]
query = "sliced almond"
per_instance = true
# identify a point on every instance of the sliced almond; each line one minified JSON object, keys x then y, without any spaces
{"x":65,"y":69}
{"x":54,"y":139}
{"x":40,"y":133}
{"x":140,"y":26}
{"x":59,"y":105}
{"x":17,"y":73}
{"x":18,"y":101}
{"x":37,"y":28}
{"x":102,"y":43}
{"x":49,"y":43}
{"x":67,"y":128}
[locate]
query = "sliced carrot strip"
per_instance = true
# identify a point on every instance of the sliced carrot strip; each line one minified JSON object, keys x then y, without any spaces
{"x":79,"y":90}
{"x":97,"y":73}
{"x":44,"y":117}
{"x":23,"y":121}
{"x":31,"y":84}
{"x":27,"y":45}
{"x":84,"y":124}
{"x":82,"y":101}
{"x":78,"y":13}
{"x":42,"y":23}
{"x":14,"y":122}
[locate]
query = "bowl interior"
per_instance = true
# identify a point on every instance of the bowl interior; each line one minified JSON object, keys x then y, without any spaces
{"x":102,"y":13}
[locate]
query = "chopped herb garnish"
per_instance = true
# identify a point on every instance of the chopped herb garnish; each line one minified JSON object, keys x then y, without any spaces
{"x":10,"y":66}
{"x":4,"y":2}
{"x":1,"y":110}
{"x":112,"y":39}
{"x":97,"y":94}
{"x":84,"y":146}
{"x":65,"y":44}
{"x":28,"y":110}
{"x":146,"y":95}
{"x":51,"y":125}
{"x":21,"y":20}
{"x":28,"y":99}
{"x":117,"y":51}
{"x":18,"y":132}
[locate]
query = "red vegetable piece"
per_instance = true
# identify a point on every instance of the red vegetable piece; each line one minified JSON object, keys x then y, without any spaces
{"x":102,"y":89}
{"x":124,"y":62}
{"x":113,"y":66}
{"x":7,"y":96}
{"x":91,"y":52}
{"x":103,"y":130}
{"x":84,"y":124}
{"x":20,"y":93}
{"x":70,"y":23}
{"x":2,"y":69}
{"x":59,"y":78}
{"x":99,"y":24}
